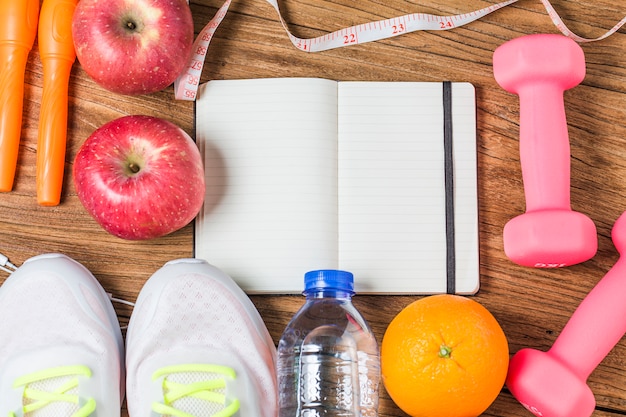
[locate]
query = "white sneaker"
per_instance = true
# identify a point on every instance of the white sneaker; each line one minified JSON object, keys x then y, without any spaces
{"x":197,"y":347}
{"x":61,"y":346}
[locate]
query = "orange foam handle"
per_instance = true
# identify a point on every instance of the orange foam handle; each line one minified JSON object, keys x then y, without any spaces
{"x":56,"y":48}
{"x":18,"y":29}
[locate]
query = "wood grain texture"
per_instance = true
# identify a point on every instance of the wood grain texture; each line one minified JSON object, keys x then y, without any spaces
{"x":531,"y":305}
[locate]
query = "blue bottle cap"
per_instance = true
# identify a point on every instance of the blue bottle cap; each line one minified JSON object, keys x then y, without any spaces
{"x":331,"y":279}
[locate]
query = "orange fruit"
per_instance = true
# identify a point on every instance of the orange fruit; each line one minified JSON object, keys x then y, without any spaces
{"x":444,"y":356}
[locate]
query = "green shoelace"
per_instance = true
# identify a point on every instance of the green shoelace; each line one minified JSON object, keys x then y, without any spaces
{"x":207,"y":390}
{"x":36,"y":399}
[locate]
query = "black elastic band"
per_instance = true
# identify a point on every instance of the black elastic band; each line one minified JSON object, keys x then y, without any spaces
{"x":449,"y":188}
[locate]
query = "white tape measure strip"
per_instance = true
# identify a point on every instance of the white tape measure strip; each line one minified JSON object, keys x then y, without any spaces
{"x":384,"y":29}
{"x":186,"y":86}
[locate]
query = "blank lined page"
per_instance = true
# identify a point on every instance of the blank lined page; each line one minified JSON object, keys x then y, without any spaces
{"x":466,"y":188}
{"x":392,"y":232}
{"x":270,"y":152}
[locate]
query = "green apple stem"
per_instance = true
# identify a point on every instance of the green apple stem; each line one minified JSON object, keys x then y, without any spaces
{"x":134,"y":168}
{"x":133,"y":164}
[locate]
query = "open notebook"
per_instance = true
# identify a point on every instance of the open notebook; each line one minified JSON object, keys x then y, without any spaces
{"x":309,"y":173}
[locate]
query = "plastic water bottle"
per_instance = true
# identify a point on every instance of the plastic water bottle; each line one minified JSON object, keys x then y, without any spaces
{"x":328,"y":358}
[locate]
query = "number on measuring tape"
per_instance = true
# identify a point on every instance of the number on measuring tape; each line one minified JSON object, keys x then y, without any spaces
{"x":349,"y":38}
{"x":446,"y":24}
{"x":193,"y":80}
{"x":186,"y":85}
{"x":301,"y":45}
{"x":398,"y":29}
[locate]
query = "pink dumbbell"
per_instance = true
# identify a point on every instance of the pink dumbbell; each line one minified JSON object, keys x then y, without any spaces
{"x":539,"y":68}
{"x":553,"y":383}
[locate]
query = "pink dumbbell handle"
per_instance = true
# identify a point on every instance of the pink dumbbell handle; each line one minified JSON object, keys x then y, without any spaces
{"x":544,"y":147}
{"x":599,"y":322}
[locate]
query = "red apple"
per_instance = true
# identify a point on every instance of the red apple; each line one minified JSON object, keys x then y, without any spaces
{"x":133,"y":46}
{"x":140,"y":177}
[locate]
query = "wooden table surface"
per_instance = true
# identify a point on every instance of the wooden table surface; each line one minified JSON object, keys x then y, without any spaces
{"x":532,"y":305}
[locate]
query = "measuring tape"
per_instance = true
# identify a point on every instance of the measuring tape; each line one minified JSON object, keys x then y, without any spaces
{"x":186,"y":86}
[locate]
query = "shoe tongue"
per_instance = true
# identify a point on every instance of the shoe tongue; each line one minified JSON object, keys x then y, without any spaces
{"x":55,"y":409}
{"x":197,"y":407}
